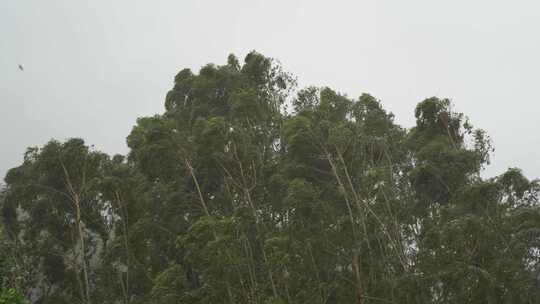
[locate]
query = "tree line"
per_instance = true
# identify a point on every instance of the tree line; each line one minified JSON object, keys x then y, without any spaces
{"x":248,"y":189}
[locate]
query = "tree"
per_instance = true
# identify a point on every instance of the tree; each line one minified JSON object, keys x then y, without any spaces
{"x":226,"y":197}
{"x":53,"y":210}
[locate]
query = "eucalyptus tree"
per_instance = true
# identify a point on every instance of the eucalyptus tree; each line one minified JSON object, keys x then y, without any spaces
{"x":468,"y":244}
{"x":53,"y":210}
{"x":215,"y":148}
{"x":228,"y":198}
{"x":348,"y":154}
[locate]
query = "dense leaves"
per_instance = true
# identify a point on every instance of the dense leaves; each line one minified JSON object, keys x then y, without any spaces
{"x":11,"y":296}
{"x":228,"y":198}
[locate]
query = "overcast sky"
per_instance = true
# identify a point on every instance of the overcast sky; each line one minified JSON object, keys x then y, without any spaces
{"x":92,"y":67}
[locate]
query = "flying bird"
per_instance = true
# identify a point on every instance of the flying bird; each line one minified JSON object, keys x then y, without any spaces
{"x":21,"y":68}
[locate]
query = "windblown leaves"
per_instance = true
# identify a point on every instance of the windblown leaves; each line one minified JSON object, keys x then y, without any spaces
{"x":227,"y":198}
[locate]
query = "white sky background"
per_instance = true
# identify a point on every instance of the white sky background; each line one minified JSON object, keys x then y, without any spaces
{"x":93,"y":67}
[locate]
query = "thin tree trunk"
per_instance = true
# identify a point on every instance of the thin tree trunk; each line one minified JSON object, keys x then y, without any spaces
{"x":207,"y":212}
{"x":246,"y":191}
{"x":357,"y":270}
{"x":125,"y":289}
{"x":83,"y":249}
{"x":76,"y":199}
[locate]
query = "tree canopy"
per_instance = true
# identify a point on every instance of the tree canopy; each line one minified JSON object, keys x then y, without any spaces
{"x":247,"y":189}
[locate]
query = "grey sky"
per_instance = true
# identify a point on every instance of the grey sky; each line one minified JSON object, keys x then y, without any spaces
{"x":93,"y":67}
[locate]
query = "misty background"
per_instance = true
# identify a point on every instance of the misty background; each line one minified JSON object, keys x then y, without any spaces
{"x":92,"y":67}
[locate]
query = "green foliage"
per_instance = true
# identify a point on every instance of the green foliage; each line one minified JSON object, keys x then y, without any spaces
{"x":11,"y":296}
{"x":227,"y":198}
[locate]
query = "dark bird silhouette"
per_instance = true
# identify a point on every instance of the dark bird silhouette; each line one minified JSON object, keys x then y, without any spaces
{"x":21,"y":68}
